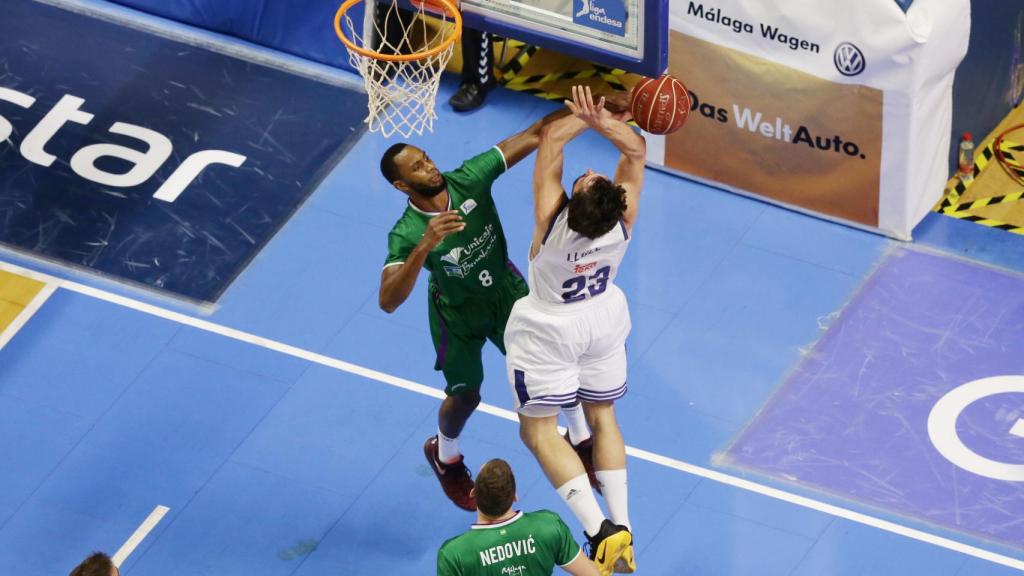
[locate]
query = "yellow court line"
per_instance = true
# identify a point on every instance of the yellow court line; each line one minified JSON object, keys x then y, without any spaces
{"x":20,"y":298}
{"x":17,"y":289}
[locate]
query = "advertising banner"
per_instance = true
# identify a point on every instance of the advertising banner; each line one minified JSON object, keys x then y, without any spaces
{"x":152,"y":160}
{"x":837,"y":108}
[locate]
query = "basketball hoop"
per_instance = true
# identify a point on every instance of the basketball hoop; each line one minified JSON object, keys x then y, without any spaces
{"x":401,"y":70}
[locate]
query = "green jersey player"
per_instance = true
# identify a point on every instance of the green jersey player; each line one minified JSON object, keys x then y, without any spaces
{"x":505,"y":542}
{"x":451,"y":229}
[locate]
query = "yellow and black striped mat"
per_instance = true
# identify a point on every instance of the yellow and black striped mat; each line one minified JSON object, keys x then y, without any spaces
{"x":992,"y":198}
{"x":548,"y":74}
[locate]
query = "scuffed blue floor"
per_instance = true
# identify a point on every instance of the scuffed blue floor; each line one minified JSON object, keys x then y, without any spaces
{"x":286,"y":461}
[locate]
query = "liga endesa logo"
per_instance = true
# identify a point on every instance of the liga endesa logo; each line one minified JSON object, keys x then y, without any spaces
{"x":605,"y":15}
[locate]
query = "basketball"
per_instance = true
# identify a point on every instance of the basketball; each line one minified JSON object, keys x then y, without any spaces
{"x":660,"y":105}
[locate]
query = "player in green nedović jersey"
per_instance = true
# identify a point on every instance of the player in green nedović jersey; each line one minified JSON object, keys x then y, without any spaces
{"x":507,"y":542}
{"x":450,"y":228}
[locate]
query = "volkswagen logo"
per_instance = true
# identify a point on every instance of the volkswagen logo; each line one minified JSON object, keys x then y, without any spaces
{"x":849,"y":59}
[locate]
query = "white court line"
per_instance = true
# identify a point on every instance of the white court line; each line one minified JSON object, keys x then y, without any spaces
{"x":371,"y":374}
{"x":139,"y":535}
{"x":22,"y":318}
{"x":1017,"y":430}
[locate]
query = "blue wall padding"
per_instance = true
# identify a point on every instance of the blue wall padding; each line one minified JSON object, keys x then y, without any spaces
{"x":984,"y":90}
{"x":300,"y":27}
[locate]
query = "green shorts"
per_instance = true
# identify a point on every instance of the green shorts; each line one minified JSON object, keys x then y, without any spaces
{"x":459,"y":332}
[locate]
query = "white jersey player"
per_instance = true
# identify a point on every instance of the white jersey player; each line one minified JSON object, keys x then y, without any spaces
{"x":566,"y":339}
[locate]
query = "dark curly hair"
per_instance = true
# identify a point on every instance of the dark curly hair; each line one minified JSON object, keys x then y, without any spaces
{"x":597,"y":210}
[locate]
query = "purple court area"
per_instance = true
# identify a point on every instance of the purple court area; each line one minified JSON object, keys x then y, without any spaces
{"x":852,"y":419}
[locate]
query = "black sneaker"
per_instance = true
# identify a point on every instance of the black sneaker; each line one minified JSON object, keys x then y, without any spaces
{"x":454,"y":477}
{"x":469,"y":97}
{"x":609,"y":545}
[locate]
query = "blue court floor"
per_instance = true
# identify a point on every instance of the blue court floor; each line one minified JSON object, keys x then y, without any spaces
{"x":283,"y":428}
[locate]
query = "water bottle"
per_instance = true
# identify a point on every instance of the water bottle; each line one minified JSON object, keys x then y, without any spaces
{"x":966,"y":163}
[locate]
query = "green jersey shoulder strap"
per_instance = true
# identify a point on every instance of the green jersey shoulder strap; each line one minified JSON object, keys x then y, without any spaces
{"x":476,"y":175}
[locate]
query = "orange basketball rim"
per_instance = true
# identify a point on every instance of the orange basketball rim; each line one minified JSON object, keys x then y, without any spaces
{"x":446,"y":8}
{"x":401,"y":80}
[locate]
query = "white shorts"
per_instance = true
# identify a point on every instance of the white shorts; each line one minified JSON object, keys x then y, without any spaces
{"x":558,"y":353}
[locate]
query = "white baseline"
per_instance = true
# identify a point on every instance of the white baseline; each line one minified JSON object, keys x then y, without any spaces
{"x":139,"y":535}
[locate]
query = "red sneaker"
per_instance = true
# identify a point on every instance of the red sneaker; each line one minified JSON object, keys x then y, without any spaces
{"x":585,"y":451}
{"x":454,"y":477}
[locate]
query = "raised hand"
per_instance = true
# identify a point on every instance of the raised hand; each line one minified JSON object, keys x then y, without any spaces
{"x":584,"y":107}
{"x":598,"y":114}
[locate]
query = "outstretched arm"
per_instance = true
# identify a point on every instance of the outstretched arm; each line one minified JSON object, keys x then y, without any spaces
{"x":522,"y":144}
{"x":632,"y":147}
{"x":548,"y":193}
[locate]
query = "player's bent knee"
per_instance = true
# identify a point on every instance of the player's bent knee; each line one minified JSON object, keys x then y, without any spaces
{"x":533,"y":430}
{"x":599,"y":409}
{"x":469,"y":399}
{"x":599,"y":414}
{"x":527,"y":436}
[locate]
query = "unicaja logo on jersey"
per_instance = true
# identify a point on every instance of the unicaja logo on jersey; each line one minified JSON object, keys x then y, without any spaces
{"x":849,"y":60}
{"x":453,"y":256}
{"x":458,"y":260}
{"x":461,"y":260}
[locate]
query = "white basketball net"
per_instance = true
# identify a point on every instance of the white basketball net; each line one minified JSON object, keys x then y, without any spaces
{"x":401,"y":94}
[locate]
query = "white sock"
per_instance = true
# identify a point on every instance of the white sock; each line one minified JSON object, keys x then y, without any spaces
{"x":578,"y":429}
{"x":614,"y":489}
{"x":447,"y":448}
{"x":578,"y":495}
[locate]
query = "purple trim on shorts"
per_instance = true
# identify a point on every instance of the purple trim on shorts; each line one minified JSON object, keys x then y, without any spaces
{"x":551,"y":225}
{"x":442,"y":350}
{"x":520,"y":386}
{"x":552,"y":400}
{"x":588,"y":396}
